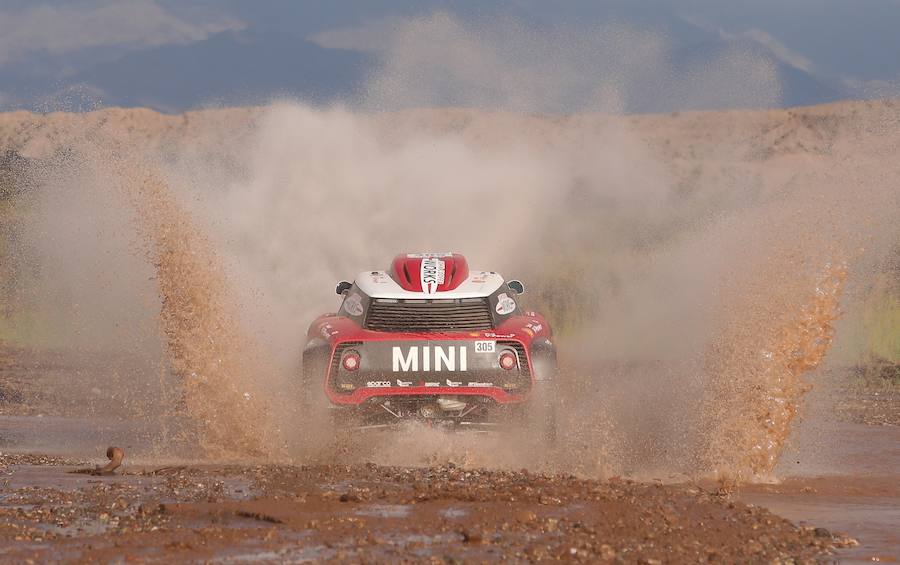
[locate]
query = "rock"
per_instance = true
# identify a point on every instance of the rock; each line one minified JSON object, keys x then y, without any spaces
{"x":844,"y":541}
{"x":115,"y":456}
{"x":607,"y":552}
{"x":148,"y":508}
{"x":526,"y":516}
{"x":471,"y":536}
{"x":552,"y":525}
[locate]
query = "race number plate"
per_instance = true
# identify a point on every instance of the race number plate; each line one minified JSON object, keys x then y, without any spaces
{"x":485,"y":347}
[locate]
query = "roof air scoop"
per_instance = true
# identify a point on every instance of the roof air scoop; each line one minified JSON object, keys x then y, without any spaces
{"x":429,"y":273}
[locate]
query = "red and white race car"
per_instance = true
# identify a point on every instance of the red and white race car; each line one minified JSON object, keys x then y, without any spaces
{"x":430,"y":340}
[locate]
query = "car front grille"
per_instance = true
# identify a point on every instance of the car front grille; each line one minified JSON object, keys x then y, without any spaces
{"x":465,"y":314}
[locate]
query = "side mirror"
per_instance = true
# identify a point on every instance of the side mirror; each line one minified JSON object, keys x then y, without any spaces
{"x":516,"y":286}
{"x":343,"y":287}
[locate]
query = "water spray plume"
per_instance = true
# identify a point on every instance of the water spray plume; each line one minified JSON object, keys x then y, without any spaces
{"x":758,"y":371}
{"x":213,"y":360}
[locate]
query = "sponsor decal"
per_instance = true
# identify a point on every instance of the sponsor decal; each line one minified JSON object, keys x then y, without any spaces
{"x":432,"y":274}
{"x":353,"y":305}
{"x":505,"y":304}
{"x":378,"y":384}
{"x":427,"y":255}
{"x":404,"y":383}
{"x":498,"y":336}
{"x":436,"y":358}
{"x":432,"y":384}
{"x":453,"y":383}
{"x":480,"y":385}
{"x":328,"y":330}
{"x":537,"y":327}
{"x":485,"y":347}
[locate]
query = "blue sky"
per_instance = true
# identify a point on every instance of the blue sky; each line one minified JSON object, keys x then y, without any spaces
{"x":173,"y":55}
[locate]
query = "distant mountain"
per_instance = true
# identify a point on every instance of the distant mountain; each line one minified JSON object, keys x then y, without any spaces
{"x":798,"y":87}
{"x":254,"y":66}
{"x":228,"y":68}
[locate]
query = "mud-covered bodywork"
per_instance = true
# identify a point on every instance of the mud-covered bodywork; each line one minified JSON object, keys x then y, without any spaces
{"x":415,"y":343}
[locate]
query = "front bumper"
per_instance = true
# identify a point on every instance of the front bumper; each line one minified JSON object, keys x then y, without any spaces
{"x":362,"y":395}
{"x":428,"y":369}
{"x":468,"y":411}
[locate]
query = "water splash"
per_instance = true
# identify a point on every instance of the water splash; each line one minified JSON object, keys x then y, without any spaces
{"x":213,"y":359}
{"x":758,"y":369}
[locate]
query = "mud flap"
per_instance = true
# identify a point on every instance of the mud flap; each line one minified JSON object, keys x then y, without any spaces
{"x":314,"y":404}
{"x":542,"y":411}
{"x":545,"y":393}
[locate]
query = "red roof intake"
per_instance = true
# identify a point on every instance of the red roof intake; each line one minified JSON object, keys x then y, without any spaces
{"x":429,"y":272}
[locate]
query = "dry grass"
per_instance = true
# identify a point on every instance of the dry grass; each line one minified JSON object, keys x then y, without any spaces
{"x":17,"y":323}
{"x":879,"y":363}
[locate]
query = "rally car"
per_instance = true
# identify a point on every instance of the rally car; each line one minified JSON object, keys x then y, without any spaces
{"x":429,"y":340}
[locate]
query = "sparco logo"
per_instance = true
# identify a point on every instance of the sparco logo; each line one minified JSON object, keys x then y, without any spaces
{"x":430,"y":358}
{"x":432,"y":274}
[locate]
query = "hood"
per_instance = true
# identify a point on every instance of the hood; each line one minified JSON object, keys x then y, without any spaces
{"x":429,"y":275}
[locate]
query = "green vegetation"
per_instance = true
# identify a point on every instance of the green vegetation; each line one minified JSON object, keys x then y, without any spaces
{"x":882,"y":326}
{"x":879,"y":344}
{"x":20,"y":329}
{"x":7,"y":323}
{"x":17,"y":324}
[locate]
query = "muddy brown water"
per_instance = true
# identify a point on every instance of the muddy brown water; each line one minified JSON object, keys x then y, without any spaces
{"x":840,"y":476}
{"x":844,"y":477}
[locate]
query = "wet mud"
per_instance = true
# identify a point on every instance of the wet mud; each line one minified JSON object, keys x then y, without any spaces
{"x":374,"y":513}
